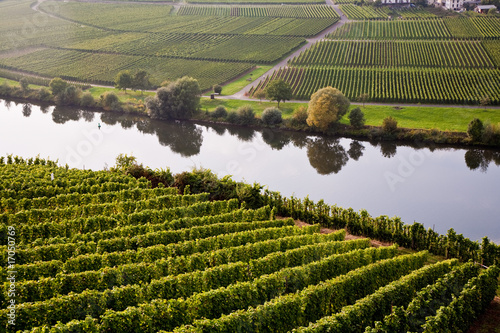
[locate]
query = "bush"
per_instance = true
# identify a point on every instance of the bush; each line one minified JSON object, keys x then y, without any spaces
{"x":219,"y":112}
{"x":475,"y":129}
{"x":246,"y":115}
{"x":87,"y":100}
{"x":110,"y":101}
{"x":232,"y":117}
{"x":44,"y":94}
{"x":299,"y":117}
{"x":271,"y":116}
{"x":5,"y":89}
{"x":326,"y":107}
{"x":217,"y":89}
{"x":491,"y":134}
{"x":70,"y":96}
{"x":24,"y":84}
{"x":357,"y":118}
{"x":390,"y":125}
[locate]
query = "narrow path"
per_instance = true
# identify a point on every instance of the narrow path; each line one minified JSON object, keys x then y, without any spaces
{"x":310,"y":42}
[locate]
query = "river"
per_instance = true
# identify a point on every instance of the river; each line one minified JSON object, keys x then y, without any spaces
{"x":440,"y":187}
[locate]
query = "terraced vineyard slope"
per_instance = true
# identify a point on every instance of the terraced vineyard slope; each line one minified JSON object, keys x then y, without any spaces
{"x":415,"y":58}
{"x":93,"y":42}
{"x":104,"y":252}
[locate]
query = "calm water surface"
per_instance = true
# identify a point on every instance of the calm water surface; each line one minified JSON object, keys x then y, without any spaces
{"x":442,"y":188}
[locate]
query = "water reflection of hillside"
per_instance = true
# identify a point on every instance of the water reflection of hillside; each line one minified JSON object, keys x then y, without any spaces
{"x":325,"y":154}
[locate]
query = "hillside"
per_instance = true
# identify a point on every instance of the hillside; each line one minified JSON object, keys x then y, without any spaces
{"x":104,"y":252}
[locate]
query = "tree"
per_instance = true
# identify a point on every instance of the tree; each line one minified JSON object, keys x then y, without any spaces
{"x":178,"y":100}
{"x":326,"y":107}
{"x":485,"y":101}
{"x":219,"y":112}
{"x":271,"y":116}
{"x":217,"y":89}
{"x":124,"y":80}
{"x":389,"y":125}
{"x":57,"y":85}
{"x":24,"y":84}
{"x":278,"y":90}
{"x":363,"y":98}
{"x":70,"y":96}
{"x":246,"y":115}
{"x":260,"y":94}
{"x":475,"y":129}
{"x":356,"y":118}
{"x":141,"y":81}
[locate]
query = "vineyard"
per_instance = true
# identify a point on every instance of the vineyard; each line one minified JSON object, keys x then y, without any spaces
{"x":466,"y":54}
{"x":314,"y":11}
{"x":407,"y":85}
{"x":101,"y":251}
{"x":93,"y":42}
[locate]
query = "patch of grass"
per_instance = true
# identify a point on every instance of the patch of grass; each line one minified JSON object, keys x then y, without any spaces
{"x":124,"y":97}
{"x":424,"y":117}
{"x":16,"y":84}
{"x":240,"y":83}
{"x":232,"y":104}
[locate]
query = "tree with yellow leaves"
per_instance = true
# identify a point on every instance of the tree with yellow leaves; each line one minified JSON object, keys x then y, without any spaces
{"x":326,"y":107}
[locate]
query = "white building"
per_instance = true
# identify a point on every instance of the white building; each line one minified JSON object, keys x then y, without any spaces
{"x":484,"y":8}
{"x":392,"y":2}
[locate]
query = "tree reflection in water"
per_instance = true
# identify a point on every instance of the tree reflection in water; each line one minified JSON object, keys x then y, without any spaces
{"x":26,"y":110}
{"x":326,"y":155}
{"x":356,"y":150}
{"x":481,"y":159}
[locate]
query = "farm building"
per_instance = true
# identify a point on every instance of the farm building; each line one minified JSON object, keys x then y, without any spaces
{"x":483,"y":9}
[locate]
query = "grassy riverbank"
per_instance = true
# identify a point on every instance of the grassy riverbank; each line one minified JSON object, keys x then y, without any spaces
{"x":440,"y":124}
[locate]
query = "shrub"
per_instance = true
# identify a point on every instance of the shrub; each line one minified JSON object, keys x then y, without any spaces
{"x":87,"y":100}
{"x":217,"y":89}
{"x":232,"y":117}
{"x":299,"y":117}
{"x":5,"y":89}
{"x":24,"y":84}
{"x":390,"y":125}
{"x":326,"y":107}
{"x":246,"y":115}
{"x":110,"y":101}
{"x":357,"y":118}
{"x":70,"y":96}
{"x":219,"y":112}
{"x":475,"y":129}
{"x":271,"y":116}
{"x":44,"y":94}
{"x":491,"y":134}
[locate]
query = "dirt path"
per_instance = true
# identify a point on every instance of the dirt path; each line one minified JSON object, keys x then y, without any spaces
{"x":489,"y":321}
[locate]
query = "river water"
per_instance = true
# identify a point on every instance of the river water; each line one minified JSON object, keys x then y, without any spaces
{"x":440,"y":187}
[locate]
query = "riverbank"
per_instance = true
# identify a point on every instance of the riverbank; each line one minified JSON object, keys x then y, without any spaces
{"x":426,"y":124}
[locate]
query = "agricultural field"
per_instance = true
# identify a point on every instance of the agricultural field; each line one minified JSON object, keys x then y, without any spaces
{"x":402,"y":85}
{"x":354,"y":12}
{"x":398,"y":53}
{"x":101,"y":251}
{"x":93,"y":42}
{"x":319,"y":11}
{"x":453,"y":60}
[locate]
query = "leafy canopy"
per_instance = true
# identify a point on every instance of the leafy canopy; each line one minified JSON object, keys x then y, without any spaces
{"x":278,"y":90}
{"x":327,"y":106}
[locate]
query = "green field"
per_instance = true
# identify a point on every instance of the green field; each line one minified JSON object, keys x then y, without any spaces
{"x":100,"y":251}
